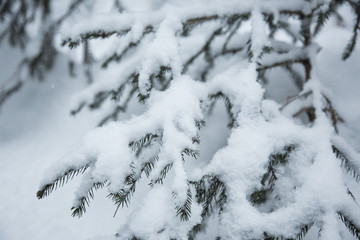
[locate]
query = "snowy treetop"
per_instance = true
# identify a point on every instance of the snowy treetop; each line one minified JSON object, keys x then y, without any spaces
{"x":277,"y":176}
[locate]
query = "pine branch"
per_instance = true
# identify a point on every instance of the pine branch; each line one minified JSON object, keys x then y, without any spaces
{"x":5,"y":94}
{"x":334,"y":115}
{"x":118,"y":57}
{"x":114,"y":94}
{"x":296,"y":76}
{"x":190,"y":24}
{"x":259,"y":196}
{"x":346,"y":163}
{"x":209,"y":191}
{"x":80,"y":208}
{"x":162,"y":176}
{"x":323,"y":16}
{"x":122,"y":197}
{"x":200,"y":124}
{"x":160,"y":77}
{"x":228,"y":105}
{"x":350,"y":225}
{"x":114,"y":115}
{"x":184,"y":211}
{"x":135,"y":145}
{"x":292,"y":99}
{"x":204,"y":49}
{"x":351,"y":45}
{"x":191,"y":153}
{"x":280,"y":158}
{"x":93,"y":35}
{"x":46,"y":189}
{"x":352,"y":195}
{"x":149,"y":166}
{"x":300,"y":236}
{"x":195,"y":230}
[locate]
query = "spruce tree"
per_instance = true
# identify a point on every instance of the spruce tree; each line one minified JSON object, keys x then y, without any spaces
{"x":283,"y":169}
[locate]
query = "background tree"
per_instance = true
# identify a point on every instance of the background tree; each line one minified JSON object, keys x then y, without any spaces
{"x":281,"y":172}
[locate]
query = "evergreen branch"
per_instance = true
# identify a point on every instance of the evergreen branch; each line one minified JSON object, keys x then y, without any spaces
{"x":292,"y":99}
{"x":162,"y":176}
{"x":195,"y":230}
{"x":280,"y":158}
{"x":137,"y":145}
{"x":323,"y":16}
{"x":204,"y":49}
{"x":304,"y":230}
{"x":296,"y":76}
{"x":209,"y":191}
{"x":351,"y":45}
{"x":46,"y":189}
{"x":114,"y":115}
{"x":228,"y":105}
{"x":93,"y":35}
{"x":5,"y":94}
{"x":149,"y":166}
{"x":99,"y":98}
{"x":215,"y":192}
{"x":335,"y":117}
{"x":184,"y":211}
{"x":236,"y":20}
{"x":300,"y":236}
{"x":346,"y":163}
{"x":279,"y":64}
{"x":122,"y":197}
{"x":118,"y":57}
{"x":80,"y":208}
{"x":200,"y":123}
{"x":259,"y":197}
{"x":351,"y":195}
{"x":191,"y":23}
{"x":161,"y":77}
{"x":350,"y":225}
{"x":115,"y":94}
{"x":191,"y":153}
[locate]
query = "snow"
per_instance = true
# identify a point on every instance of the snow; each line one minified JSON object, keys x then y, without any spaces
{"x":311,"y":188}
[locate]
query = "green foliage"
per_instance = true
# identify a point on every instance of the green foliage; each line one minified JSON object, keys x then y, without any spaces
{"x":346,"y":163}
{"x":122,"y":197}
{"x":300,"y":236}
{"x":353,"y":228}
{"x":356,"y":28}
{"x":80,"y":208}
{"x":162,"y":175}
{"x":323,"y":16}
{"x":118,"y":57}
{"x":184,"y":211}
{"x":228,"y":106}
{"x":259,"y":196}
{"x":46,"y":189}
{"x":211,"y":193}
{"x":191,"y":153}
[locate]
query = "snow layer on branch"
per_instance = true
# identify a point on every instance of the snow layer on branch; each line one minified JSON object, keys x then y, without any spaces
{"x":156,"y":218}
{"x":114,"y":76}
{"x":258,"y":33}
{"x":107,"y":148}
{"x":310,"y":188}
{"x":163,"y":51}
{"x":183,"y":10}
{"x":241,"y":165}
